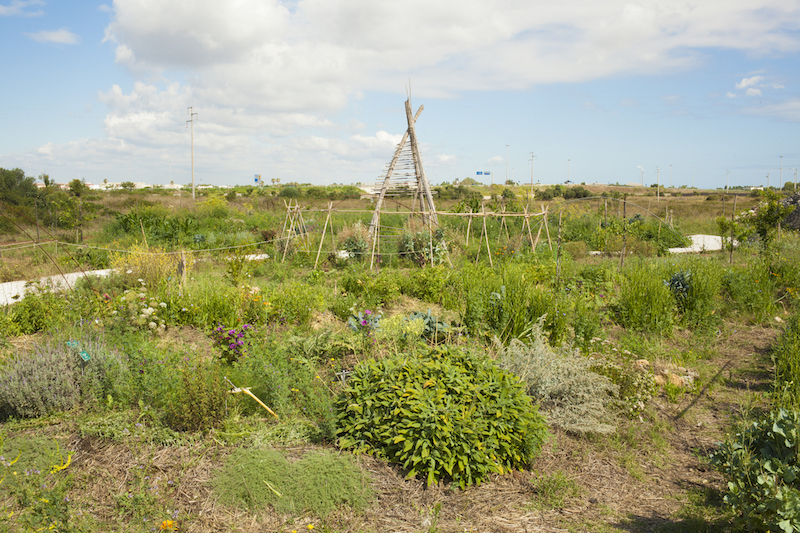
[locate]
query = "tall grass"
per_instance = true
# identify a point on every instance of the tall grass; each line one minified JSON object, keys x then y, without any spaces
{"x":645,"y":303}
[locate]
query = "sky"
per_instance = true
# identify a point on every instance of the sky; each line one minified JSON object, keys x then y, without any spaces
{"x":698,"y":93}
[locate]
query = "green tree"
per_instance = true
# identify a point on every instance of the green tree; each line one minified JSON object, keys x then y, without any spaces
{"x":16,"y":188}
{"x":767,"y":216}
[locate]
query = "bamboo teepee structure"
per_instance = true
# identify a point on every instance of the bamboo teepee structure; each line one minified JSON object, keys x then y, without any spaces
{"x":403,"y":175}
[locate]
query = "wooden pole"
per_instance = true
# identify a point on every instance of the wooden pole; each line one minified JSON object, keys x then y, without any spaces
{"x":558,"y":252}
{"x":624,"y":231}
{"x":377,"y":233}
{"x":733,"y":215}
{"x":469,"y":225}
{"x":488,"y":248}
{"x":547,"y":228}
{"x":324,"y":229}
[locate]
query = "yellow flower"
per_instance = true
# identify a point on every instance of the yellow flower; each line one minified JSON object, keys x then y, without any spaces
{"x":168,"y":525}
{"x":310,"y":527}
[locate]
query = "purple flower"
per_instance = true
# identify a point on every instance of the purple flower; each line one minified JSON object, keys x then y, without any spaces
{"x":367,"y":312}
{"x":232,"y":346}
{"x":240,"y":343}
{"x":363,"y":322}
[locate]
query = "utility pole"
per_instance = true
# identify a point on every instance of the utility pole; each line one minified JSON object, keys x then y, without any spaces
{"x":727,"y":181}
{"x":658,"y":183}
{"x":532,"y":158}
{"x":191,"y":123}
{"x":506,"y":165}
{"x":642,"y":177}
{"x":568,"y":178}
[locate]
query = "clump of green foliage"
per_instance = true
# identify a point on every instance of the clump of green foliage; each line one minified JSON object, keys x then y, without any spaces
{"x":761,"y":464}
{"x":786,"y":355}
{"x":573,"y":397}
{"x":645,"y":304}
{"x":442,"y":414}
{"x":39,"y":383}
{"x":318,"y":483}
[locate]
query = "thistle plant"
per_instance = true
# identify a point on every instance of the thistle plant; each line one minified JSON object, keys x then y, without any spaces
{"x":364,"y":322}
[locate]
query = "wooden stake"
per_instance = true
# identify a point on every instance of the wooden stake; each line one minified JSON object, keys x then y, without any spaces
{"x":733,"y":215}
{"x":324,"y":229}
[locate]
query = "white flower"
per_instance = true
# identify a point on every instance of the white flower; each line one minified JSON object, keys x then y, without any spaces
{"x":129,"y":271}
{"x":151,"y":325}
{"x":164,"y":305}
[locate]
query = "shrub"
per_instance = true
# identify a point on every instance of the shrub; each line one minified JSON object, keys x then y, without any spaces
{"x":442,"y":414}
{"x":39,"y":383}
{"x":750,"y":289}
{"x":153,"y":265}
{"x":572,"y":396}
{"x":38,"y":310}
{"x":196,"y":402}
{"x":761,"y":464}
{"x":786,"y":355}
{"x":295,"y":302}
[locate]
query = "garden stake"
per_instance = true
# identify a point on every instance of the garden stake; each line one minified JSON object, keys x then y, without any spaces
{"x":733,"y":215}
{"x":246,"y":390}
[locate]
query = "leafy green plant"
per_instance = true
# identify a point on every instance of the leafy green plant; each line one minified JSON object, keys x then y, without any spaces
{"x":434,"y":330}
{"x":552,"y":491}
{"x":750,"y":289}
{"x":786,"y":356}
{"x":442,"y":414}
{"x":761,"y":464}
{"x":364,"y":322}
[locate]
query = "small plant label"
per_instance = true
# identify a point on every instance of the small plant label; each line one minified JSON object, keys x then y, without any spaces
{"x":85,"y":356}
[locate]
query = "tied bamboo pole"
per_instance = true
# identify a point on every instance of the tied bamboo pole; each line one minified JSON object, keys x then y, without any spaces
{"x":324,"y":229}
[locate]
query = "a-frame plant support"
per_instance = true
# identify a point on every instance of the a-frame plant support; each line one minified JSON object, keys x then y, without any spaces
{"x":406,"y":157}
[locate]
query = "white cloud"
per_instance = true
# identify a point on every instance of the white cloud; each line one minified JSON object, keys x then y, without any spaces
{"x":749,"y":82}
{"x":20,"y":8}
{"x":61,"y":36}
{"x":260,"y":72}
{"x":730,"y":95}
{"x":444,"y":159}
{"x":496,"y":160}
{"x":753,"y":92}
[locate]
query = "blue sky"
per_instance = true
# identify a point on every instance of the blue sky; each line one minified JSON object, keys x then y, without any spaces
{"x":313,"y":90}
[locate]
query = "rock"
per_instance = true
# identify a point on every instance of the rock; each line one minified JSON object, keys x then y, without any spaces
{"x":676,"y":380}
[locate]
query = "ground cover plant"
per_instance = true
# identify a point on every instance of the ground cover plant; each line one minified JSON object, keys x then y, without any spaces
{"x":135,"y":388}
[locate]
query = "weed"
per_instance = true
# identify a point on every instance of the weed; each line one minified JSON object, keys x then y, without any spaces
{"x":553,"y":490}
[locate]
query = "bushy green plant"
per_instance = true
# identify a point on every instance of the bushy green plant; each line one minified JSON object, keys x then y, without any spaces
{"x":697,"y":289}
{"x":761,"y":464}
{"x":562,"y":382}
{"x":40,"y":308}
{"x":364,"y":322}
{"x":786,"y":355}
{"x":196,"y":400}
{"x":645,"y":304}
{"x":440,"y":414}
{"x":750,"y":289}
{"x":39,"y":383}
{"x":295,"y":303}
{"x":434,"y":330}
